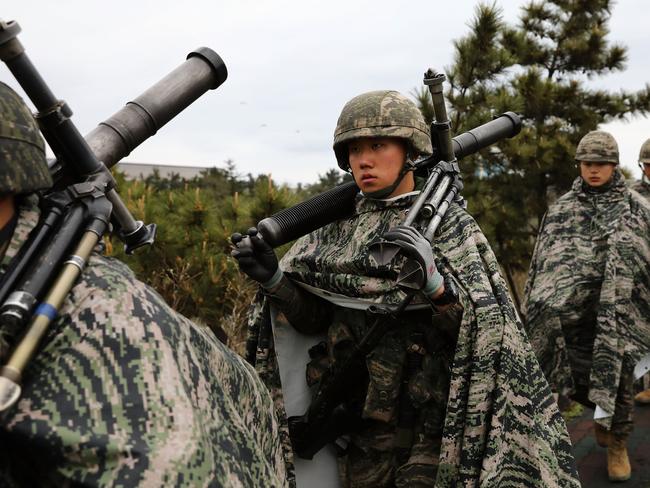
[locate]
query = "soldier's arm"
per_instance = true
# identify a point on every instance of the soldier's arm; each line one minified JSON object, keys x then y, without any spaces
{"x":306,"y":312}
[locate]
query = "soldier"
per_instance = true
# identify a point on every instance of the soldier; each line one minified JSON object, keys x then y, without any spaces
{"x":456,"y":361}
{"x":588,"y":297}
{"x":642,"y":186}
{"x":124,"y":391}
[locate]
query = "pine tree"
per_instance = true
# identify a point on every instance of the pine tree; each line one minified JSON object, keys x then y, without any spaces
{"x":541,"y":69}
{"x":189,"y":263}
{"x":329,"y":180}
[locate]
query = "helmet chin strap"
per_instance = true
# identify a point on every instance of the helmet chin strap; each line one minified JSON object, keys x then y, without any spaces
{"x":387,"y":191}
{"x":643,"y":175}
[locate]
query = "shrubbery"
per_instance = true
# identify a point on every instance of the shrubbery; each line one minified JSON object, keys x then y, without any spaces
{"x":190,"y":263}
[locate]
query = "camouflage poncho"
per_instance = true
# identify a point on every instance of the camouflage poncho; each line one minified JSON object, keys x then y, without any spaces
{"x":502,"y":425}
{"x":642,"y":187}
{"x":591,"y":270}
{"x":126,"y":392}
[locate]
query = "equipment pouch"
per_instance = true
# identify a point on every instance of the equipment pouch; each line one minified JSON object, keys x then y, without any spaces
{"x":385,"y":365}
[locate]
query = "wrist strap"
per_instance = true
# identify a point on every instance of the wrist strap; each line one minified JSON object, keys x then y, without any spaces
{"x":433,"y":283}
{"x":274,"y":280}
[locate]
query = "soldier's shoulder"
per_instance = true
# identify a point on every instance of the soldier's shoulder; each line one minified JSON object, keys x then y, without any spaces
{"x":634,"y":184}
{"x":459,"y":215}
{"x":459,"y":228}
{"x":109,"y":286}
{"x":639,"y":203}
{"x":111,"y":275}
{"x":562,"y":206}
{"x":109,"y":294}
{"x":567,"y":198}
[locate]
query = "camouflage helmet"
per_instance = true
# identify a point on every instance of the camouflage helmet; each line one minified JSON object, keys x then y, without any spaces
{"x":597,"y":146}
{"x":383,"y":113}
{"x":23,"y":167}
{"x":644,"y":154}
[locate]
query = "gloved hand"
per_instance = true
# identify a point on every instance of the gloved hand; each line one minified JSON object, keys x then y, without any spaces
{"x":256,"y":258}
{"x":417,"y":247}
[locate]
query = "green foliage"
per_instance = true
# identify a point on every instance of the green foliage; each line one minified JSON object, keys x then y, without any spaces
{"x":539,"y":68}
{"x":268,"y":199}
{"x":189,"y":263}
{"x":573,"y":411}
{"x":332,"y":178}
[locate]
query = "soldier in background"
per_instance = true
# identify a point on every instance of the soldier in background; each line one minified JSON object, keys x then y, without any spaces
{"x":124,"y":391}
{"x":642,"y":186}
{"x":588,"y":294}
{"x":456,"y":361}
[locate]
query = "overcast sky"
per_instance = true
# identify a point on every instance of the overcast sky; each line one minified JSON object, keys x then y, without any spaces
{"x":292,"y":66}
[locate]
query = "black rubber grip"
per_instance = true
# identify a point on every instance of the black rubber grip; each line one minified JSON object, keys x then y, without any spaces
{"x":504,"y":126}
{"x":307,"y":216}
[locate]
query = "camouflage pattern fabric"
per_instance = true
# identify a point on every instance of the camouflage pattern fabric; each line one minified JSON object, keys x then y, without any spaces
{"x":22,"y":150}
{"x":382,"y":113}
{"x":502,"y":426}
{"x":126,"y":392}
{"x":597,"y":146}
{"x":588,"y":288}
{"x":642,"y":187}
{"x":580,"y":362}
{"x":375,"y":458}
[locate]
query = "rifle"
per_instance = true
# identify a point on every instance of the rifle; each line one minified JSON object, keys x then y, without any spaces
{"x":332,"y":413}
{"x":83,"y":202}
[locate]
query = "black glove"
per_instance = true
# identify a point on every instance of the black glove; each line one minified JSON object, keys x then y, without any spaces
{"x":255,"y":257}
{"x":417,"y":247}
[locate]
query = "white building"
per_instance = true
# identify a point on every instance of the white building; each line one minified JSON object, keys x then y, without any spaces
{"x":134,"y":171}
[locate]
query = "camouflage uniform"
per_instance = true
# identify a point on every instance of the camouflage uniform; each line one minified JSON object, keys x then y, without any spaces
{"x":588,"y":294}
{"x":485,"y":414}
{"x":642,"y":186}
{"x":126,"y":392}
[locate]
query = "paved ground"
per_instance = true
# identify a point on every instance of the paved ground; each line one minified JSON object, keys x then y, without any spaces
{"x":592,"y":459}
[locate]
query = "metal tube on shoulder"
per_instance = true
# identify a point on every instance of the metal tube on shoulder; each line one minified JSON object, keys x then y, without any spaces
{"x":79,"y":157}
{"x":337,"y":203}
{"x":142,"y":117}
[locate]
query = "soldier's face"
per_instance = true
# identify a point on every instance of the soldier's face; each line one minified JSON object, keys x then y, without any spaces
{"x":596,"y":174}
{"x":376,"y":162}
